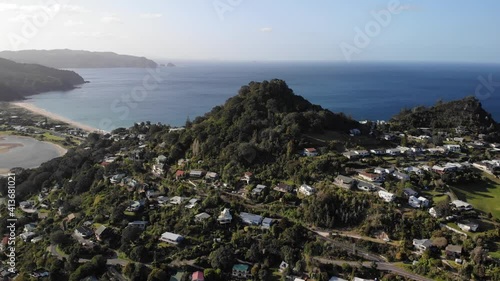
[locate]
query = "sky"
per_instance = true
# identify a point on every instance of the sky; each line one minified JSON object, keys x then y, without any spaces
{"x":260,"y":30}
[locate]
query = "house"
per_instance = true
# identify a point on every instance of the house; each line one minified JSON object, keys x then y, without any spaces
{"x":335,"y":278}
{"x":453,"y":251}
{"x":393,"y":151}
{"x":442,"y":169}
{"x":401,"y":176}
{"x":197,"y":276}
{"x":266,"y":223}
{"x":377,"y":151}
{"x":412,"y":169}
{"x":416,"y":150}
{"x":171,"y":238}
{"x":251,"y":219}
{"x":452,"y":147}
{"x":27,"y":236}
{"x":379,"y":170}
{"x":160,"y":168}
{"x":102,"y":232}
{"x":247,"y":177}
{"x":468,"y":226}
{"x":371,"y":177}
{"x":366,"y":186}
{"x":138,"y":224}
{"x":225,"y":217}
{"x":424,"y":202}
{"x":258,"y":189}
{"x":30,"y":227}
{"x":362,"y":153}
{"x":351,"y":155}
{"x":179,"y":174}
{"x":354,"y":132}
{"x":414,"y":202}
{"x":84,"y":232}
{"x":345,"y":182}
{"x":461,"y":205}
{"x":241,"y":271}
{"x":408,"y":192}
{"x":422,"y":244}
{"x":117,"y":178}
{"x":386,"y":196}
{"x":435,"y":150}
{"x":307,"y":190}
{"x":211,"y":176}
{"x":283,"y":266}
{"x":201,"y":217}
{"x":282,"y":187}
{"x":192,"y":203}
{"x":135,"y":206}
{"x":176,"y":200}
{"x":196,"y":173}
{"x":434,"y":213}
{"x":361,"y":279}
{"x":310,"y":152}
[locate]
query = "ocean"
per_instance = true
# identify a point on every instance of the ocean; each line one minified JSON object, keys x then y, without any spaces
{"x":376,"y":91}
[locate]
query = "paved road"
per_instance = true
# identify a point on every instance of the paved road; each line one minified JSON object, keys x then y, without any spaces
{"x":384,"y":266}
{"x":116,"y":274}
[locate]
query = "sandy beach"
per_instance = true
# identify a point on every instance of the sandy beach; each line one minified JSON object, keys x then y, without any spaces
{"x":40,"y":111}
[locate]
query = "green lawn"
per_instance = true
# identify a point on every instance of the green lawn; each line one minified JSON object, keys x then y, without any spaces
{"x":483,"y":196}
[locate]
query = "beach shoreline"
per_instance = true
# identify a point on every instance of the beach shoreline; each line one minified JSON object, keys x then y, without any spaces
{"x":40,"y":111}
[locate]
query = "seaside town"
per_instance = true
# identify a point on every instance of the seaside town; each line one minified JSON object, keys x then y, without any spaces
{"x":372,"y":201}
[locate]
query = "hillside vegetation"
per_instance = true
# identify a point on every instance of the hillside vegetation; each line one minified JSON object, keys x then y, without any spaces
{"x":19,"y":80}
{"x":467,"y":112}
{"x":77,"y":59}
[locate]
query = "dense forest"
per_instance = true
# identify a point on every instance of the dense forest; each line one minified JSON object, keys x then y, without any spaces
{"x":19,"y":80}
{"x":77,"y":59}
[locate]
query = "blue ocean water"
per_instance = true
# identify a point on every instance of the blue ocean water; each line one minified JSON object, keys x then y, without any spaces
{"x":376,"y":91}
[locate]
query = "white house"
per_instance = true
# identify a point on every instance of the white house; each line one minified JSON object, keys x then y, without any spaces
{"x":201,"y":217}
{"x":452,"y":147}
{"x":225,"y":217}
{"x":468,"y":226}
{"x":251,"y":219}
{"x":307,"y":190}
{"x":401,"y":176}
{"x":386,"y":196}
{"x":461,"y":205}
{"x":266,"y":223}
{"x":418,"y":202}
{"x":258,"y":189}
{"x":362,"y":153}
{"x":171,"y":238}
{"x":422,"y":244}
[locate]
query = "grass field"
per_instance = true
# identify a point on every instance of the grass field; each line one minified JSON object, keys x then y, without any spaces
{"x":483,"y":196}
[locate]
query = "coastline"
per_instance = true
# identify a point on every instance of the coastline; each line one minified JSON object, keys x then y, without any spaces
{"x":40,"y":111}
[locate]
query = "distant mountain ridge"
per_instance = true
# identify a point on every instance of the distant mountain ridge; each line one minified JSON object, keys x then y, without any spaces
{"x":18,"y":80}
{"x":78,"y":59}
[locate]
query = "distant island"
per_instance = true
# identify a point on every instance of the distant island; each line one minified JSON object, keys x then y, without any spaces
{"x":18,"y":80}
{"x":170,"y":64}
{"x":78,"y":59}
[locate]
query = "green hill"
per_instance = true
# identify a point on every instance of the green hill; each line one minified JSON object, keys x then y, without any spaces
{"x":77,"y":59}
{"x":467,"y":112}
{"x":18,"y":80}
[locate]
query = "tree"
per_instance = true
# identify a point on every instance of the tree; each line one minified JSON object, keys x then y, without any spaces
{"x":222,"y":258}
{"x":58,"y":237}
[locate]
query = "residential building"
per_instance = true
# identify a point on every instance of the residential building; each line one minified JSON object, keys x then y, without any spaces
{"x":307,"y":190}
{"x":452,"y":147}
{"x":197,"y":276}
{"x":468,"y":226}
{"x":408,"y":192}
{"x":282,"y":187}
{"x":241,"y":271}
{"x":258,"y":189}
{"x":283,"y":266}
{"x":247,"y":177}
{"x":393,"y":151}
{"x":386,"y":196}
{"x":362,"y":153}
{"x":225,"y":217}
{"x":171,"y":238}
{"x":84,"y":231}
{"x":176,"y":200}
{"x":211,"y":176}
{"x":412,"y":169}
{"x":310,"y":152}
{"x":366,"y":186}
{"x":345,"y":182}
{"x":266,"y":223}
{"x":138,"y":224}
{"x":461,"y":205}
{"x":196,"y":173}
{"x":102,"y":232}
{"x":351,"y":155}
{"x":251,"y":219}
{"x":192,"y":203}
{"x":434,"y":213}
{"x":401,"y":176}
{"x":422,"y":244}
{"x":377,"y":151}
{"x":371,"y":177}
{"x":27,"y":236}
{"x":453,"y":251}
{"x":201,"y":217}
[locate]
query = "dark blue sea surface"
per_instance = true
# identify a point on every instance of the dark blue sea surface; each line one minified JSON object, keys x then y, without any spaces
{"x":376,"y":91}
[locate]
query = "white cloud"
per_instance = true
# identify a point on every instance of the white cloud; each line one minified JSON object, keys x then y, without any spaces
{"x":266,"y":29}
{"x":72,"y":23}
{"x":75,"y":9}
{"x":150,"y":16}
{"x":8,"y":7}
{"x":111,"y":19}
